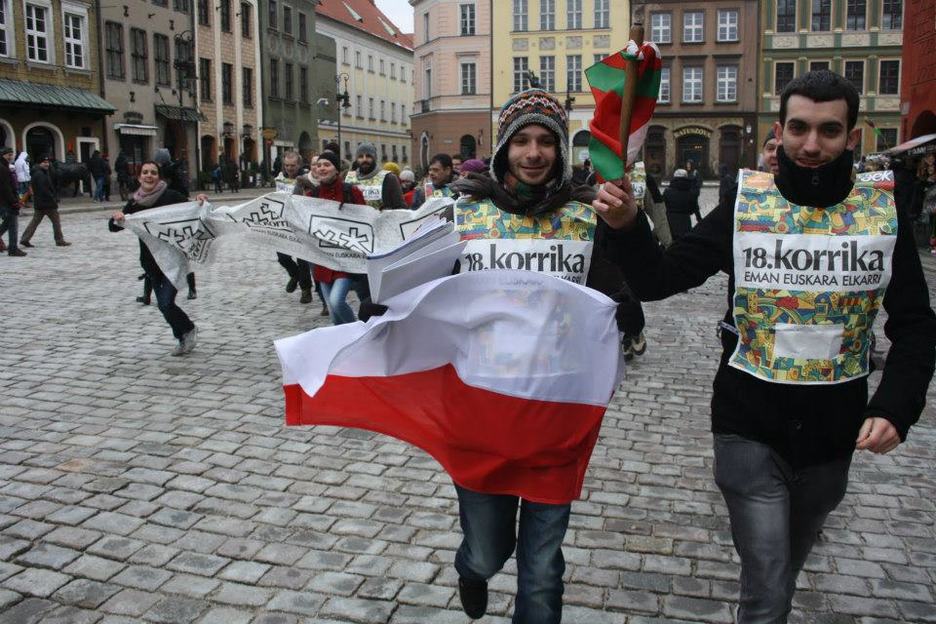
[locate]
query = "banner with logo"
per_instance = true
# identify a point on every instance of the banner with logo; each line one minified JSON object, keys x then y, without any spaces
{"x":327,"y":233}
{"x":565,"y":259}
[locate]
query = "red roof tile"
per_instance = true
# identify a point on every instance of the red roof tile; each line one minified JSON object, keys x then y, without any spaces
{"x":364,"y":15}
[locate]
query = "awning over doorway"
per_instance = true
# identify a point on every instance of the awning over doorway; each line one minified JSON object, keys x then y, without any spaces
{"x":43,"y":96}
{"x":179,"y":113}
{"x":915,"y":147}
{"x":136,"y":129}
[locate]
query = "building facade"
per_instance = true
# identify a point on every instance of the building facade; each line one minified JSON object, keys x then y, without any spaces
{"x":918,"y":72}
{"x":452,"y":112}
{"x":375,"y":66}
{"x":860,"y":39}
{"x":296,"y":68}
{"x":50,"y":90}
{"x":707,"y":109}
{"x":229,"y":95}
{"x":146,"y":51}
{"x":556,"y":40}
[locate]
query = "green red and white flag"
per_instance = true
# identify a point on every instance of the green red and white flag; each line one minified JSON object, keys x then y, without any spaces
{"x":606,"y":79}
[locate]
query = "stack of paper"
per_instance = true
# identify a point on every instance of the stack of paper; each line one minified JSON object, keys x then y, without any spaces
{"x":429,"y":254}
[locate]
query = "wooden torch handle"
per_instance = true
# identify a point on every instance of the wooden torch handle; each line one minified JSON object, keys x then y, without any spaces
{"x":630,"y":91}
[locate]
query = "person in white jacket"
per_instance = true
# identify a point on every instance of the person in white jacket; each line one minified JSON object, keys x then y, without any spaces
{"x":22,"y":173}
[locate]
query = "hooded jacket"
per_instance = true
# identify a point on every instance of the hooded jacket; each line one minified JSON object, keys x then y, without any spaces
{"x":22,"y":168}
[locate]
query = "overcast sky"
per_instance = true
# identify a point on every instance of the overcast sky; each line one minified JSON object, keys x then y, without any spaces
{"x":399,"y":11}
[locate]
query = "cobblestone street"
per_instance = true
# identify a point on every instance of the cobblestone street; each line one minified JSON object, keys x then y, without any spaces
{"x":139,"y":487}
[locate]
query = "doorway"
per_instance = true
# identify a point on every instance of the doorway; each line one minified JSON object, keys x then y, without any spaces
{"x":694,"y":147}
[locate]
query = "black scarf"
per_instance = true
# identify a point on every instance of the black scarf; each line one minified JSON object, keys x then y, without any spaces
{"x":479,"y":186}
{"x":821,"y":187}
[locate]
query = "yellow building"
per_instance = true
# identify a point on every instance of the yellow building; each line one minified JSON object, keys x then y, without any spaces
{"x":556,"y":40}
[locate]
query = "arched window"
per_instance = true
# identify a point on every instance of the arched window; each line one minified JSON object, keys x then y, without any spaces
{"x":424,"y":151}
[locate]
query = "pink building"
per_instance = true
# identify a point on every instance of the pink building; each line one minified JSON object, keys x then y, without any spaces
{"x":453,"y":77}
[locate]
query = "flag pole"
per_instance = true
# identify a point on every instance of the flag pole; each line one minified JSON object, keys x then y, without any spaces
{"x":630,"y":91}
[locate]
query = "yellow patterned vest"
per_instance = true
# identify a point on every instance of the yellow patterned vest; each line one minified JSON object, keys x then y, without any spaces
{"x":809,"y":281}
{"x":372,"y":187}
{"x":558,"y":243}
{"x":431,"y":191}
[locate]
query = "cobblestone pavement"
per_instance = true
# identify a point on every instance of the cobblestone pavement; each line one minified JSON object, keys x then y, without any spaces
{"x":135,"y":486}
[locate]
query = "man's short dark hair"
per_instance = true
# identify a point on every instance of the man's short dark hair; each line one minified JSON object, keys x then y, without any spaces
{"x":443,"y":159}
{"x":822,"y":86}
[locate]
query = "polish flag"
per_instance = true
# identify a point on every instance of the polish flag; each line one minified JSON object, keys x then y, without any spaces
{"x":502,"y":376}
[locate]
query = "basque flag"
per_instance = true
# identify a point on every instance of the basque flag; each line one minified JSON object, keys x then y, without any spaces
{"x":502,"y":376}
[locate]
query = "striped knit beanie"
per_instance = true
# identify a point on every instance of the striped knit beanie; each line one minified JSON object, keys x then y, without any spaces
{"x":533,"y":106}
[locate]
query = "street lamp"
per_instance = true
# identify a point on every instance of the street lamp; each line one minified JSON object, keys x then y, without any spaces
{"x":343,"y":100}
{"x":569,"y":100}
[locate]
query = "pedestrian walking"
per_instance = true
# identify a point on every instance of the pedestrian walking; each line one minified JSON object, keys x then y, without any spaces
{"x":299,"y":270}
{"x":23,"y":177}
{"x":790,"y":404}
{"x":153,"y":193}
{"x":9,"y":203}
{"x":680,"y":199}
{"x":99,"y":170}
{"x":45,"y":204}
{"x":696,"y":178}
{"x":124,"y":178}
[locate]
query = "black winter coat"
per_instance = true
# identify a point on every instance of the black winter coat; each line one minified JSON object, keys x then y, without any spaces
{"x":9,"y":198}
{"x":45,"y":196}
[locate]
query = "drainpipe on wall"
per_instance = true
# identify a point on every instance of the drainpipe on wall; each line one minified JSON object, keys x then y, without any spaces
{"x":194,"y":53}
{"x":100,"y":58}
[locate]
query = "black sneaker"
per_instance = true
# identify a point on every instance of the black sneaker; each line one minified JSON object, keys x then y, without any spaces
{"x":474,"y":597}
{"x":26,"y":244}
{"x":292,"y":284}
{"x":192,"y":294}
{"x":306,"y":296}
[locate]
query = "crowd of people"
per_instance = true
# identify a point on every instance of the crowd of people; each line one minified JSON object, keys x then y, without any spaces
{"x":790,"y":403}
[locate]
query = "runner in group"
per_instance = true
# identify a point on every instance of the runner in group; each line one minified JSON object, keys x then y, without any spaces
{"x":811,"y":255}
{"x":300,"y":271}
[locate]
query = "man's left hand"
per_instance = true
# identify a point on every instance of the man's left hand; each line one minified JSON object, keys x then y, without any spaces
{"x":877,"y":435}
{"x":201,"y":198}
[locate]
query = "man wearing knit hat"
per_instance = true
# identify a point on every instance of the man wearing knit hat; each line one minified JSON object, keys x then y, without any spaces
{"x":528,"y":205}
{"x":9,"y":202}
{"x":381,"y":190}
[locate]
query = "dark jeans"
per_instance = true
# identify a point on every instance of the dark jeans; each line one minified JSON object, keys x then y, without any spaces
{"x":148,"y":285}
{"x":300,"y":270}
{"x":38,"y":214}
{"x":178,"y":320}
{"x":775,"y":514}
{"x":489,"y":524}
{"x":9,"y":223}
{"x":99,"y":188}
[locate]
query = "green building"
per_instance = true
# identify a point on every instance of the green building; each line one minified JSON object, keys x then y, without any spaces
{"x":860,"y":39}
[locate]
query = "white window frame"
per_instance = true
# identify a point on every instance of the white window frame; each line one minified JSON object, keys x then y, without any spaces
{"x":345,"y":57}
{"x":521,"y":73}
{"x":521,"y":15}
{"x":548,"y":74}
{"x":467,"y":19}
{"x":602,"y":13}
{"x":573,"y":14}
{"x":658,"y":28}
{"x":574,"y":73}
{"x":693,"y":80}
{"x":49,"y":34}
{"x":80,"y":13}
{"x":899,"y":77}
{"x":724,"y":77}
{"x":696,"y":29}
{"x":864,"y":73}
{"x":725,"y":25}
{"x":666,"y":91}
{"x":471,"y":76}
{"x":9,"y":29}
{"x":547,"y":14}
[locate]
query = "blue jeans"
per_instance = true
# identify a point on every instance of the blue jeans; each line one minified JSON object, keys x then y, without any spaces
{"x":776,"y":513}
{"x":99,"y":188}
{"x":335,"y":295}
{"x":489,"y":523}
{"x":178,"y":320}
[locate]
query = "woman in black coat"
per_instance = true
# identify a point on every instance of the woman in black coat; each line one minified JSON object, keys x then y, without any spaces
{"x":153,"y":193}
{"x":681,"y":200}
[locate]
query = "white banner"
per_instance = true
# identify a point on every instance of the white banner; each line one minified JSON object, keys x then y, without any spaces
{"x":324,"y":232}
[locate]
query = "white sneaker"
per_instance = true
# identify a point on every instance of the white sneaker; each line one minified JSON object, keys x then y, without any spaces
{"x":189,"y":340}
{"x":178,"y":350}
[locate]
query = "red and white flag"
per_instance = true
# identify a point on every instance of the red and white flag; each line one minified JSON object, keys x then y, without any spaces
{"x":502,"y":376}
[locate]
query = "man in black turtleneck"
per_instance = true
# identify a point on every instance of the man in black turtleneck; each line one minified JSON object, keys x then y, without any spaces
{"x":810,"y":254}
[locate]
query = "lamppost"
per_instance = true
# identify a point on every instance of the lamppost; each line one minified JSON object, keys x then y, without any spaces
{"x":569,"y":100}
{"x":342,"y":100}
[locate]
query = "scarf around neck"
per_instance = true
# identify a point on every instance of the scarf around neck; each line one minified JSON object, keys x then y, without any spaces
{"x":146,"y":200}
{"x":521,"y":200}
